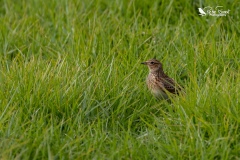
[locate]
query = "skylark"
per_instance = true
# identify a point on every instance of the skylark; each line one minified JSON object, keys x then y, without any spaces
{"x":158,"y":82}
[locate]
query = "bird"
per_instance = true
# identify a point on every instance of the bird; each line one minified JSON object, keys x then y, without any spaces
{"x":201,"y":11}
{"x":158,"y":82}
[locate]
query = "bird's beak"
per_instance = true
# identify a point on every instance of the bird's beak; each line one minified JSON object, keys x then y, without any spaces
{"x":145,"y":63}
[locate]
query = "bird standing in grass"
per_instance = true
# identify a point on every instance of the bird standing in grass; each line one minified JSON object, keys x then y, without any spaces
{"x":158,"y":82}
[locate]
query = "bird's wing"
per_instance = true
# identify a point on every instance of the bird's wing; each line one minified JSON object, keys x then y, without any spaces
{"x":170,"y":85}
{"x":201,"y":11}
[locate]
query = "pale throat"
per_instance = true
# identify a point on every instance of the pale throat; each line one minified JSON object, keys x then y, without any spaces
{"x":156,"y":71}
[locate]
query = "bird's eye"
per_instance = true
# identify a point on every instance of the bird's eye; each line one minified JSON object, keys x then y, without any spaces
{"x":152,"y":62}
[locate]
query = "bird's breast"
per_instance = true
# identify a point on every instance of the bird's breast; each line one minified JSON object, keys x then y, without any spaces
{"x":156,"y":87}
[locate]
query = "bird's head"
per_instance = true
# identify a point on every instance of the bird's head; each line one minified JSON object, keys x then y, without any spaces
{"x":153,"y":65}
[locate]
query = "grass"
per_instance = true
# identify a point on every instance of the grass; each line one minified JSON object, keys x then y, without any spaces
{"x":72,"y":86}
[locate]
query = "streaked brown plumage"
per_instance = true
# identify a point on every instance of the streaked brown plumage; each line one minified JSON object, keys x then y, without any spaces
{"x":158,"y":82}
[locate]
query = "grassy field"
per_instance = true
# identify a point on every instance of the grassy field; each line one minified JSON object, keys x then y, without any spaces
{"x":72,"y":86}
